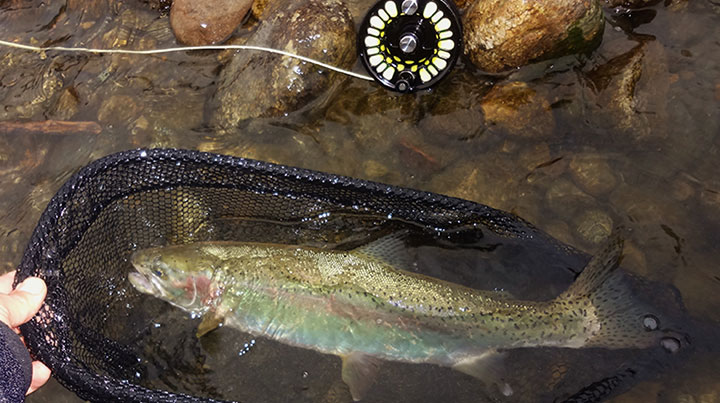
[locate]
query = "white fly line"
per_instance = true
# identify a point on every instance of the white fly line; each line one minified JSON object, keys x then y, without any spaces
{"x":184,"y":49}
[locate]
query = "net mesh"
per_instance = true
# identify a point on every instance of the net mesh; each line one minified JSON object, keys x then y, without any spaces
{"x":90,"y":332}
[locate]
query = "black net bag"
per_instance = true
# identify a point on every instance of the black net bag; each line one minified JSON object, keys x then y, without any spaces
{"x":95,"y":330}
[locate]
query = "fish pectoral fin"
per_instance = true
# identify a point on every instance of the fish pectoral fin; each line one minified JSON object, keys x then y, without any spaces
{"x":359,"y":372}
{"x":210,"y":322}
{"x":390,"y":249}
{"x":488,"y":367}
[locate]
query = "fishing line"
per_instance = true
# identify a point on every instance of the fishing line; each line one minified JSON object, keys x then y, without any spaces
{"x":187,"y":48}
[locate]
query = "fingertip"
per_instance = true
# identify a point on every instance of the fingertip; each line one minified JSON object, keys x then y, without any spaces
{"x":40,"y":375}
{"x":34,"y":286}
{"x":21,"y":304}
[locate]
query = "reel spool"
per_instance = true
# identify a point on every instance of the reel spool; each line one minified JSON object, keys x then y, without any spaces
{"x":410,"y":45}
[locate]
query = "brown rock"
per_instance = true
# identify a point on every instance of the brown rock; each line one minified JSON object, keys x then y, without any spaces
{"x":119,"y":110}
{"x":259,"y":84}
{"x":463,"y":4}
{"x":66,"y":105}
{"x":518,"y":109}
{"x":490,"y":183}
{"x":563,"y":196}
{"x":592,"y":173}
{"x":559,"y":230}
{"x":206,"y":22}
{"x":594,"y":226}
{"x":632,"y":91}
{"x":461,"y":124}
{"x":504,"y":34}
{"x":258,"y":8}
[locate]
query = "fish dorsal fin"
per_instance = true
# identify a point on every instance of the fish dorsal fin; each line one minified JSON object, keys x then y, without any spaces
{"x":488,"y":367}
{"x":599,"y":269}
{"x":358,"y":372}
{"x":390,"y":249}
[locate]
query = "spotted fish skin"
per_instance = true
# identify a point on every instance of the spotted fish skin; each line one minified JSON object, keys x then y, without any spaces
{"x":357,"y":304}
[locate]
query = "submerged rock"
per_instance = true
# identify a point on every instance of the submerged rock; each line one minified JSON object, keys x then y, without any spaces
{"x":563,"y":196}
{"x":504,"y":34}
{"x":632,"y":91}
{"x":258,"y":8}
{"x":593,"y":226}
{"x":518,"y":109}
{"x":206,"y":22}
{"x":593,"y":174}
{"x":260,"y":84}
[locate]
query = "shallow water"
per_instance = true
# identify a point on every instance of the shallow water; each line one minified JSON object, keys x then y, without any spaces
{"x":628,"y":135}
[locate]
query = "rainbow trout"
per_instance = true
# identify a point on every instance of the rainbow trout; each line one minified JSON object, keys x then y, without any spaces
{"x":357,"y":305}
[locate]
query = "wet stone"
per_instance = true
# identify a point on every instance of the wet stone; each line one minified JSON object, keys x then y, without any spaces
{"x":519,"y":110}
{"x":710,"y":195}
{"x":504,"y":34}
{"x":593,"y":174}
{"x":631,"y":92}
{"x":641,"y":207}
{"x":490,"y":183}
{"x":359,"y":8}
{"x":453,"y":107}
{"x":562,"y":196}
{"x":463,"y":4}
{"x":259,"y":84}
{"x":119,"y":110}
{"x":206,"y":22}
{"x":258,"y":8}
{"x":374,"y":169}
{"x":462,"y":124}
{"x":533,"y":157}
{"x":66,"y":106}
{"x":161,"y":5}
{"x":559,"y":230}
{"x":356,"y":101}
{"x":682,"y":189}
{"x":593,"y":226}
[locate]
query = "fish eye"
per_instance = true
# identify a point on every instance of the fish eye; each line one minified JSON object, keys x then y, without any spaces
{"x":158,"y":272}
{"x":651,"y":322}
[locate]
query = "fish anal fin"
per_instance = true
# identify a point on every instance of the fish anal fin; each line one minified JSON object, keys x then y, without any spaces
{"x":210,"y":321}
{"x":488,"y":367}
{"x":359,"y":372}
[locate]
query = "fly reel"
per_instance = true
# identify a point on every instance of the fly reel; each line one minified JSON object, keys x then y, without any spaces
{"x":410,"y":45}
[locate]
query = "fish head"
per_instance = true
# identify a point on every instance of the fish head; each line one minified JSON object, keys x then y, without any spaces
{"x":180,"y":275}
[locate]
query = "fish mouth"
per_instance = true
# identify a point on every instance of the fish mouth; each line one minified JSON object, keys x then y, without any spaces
{"x":152,"y":285}
{"x":147,"y":284}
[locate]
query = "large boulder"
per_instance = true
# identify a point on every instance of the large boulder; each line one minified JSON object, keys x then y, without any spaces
{"x":261,"y":84}
{"x":505,"y":34}
{"x":206,"y":22}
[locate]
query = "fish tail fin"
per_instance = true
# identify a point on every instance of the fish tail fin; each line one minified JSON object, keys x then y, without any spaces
{"x":615,"y":318}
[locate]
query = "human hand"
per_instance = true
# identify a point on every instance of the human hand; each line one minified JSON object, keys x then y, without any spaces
{"x":17,"y":307}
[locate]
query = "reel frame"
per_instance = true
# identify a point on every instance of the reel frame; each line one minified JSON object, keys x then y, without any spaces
{"x":410,"y":45}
